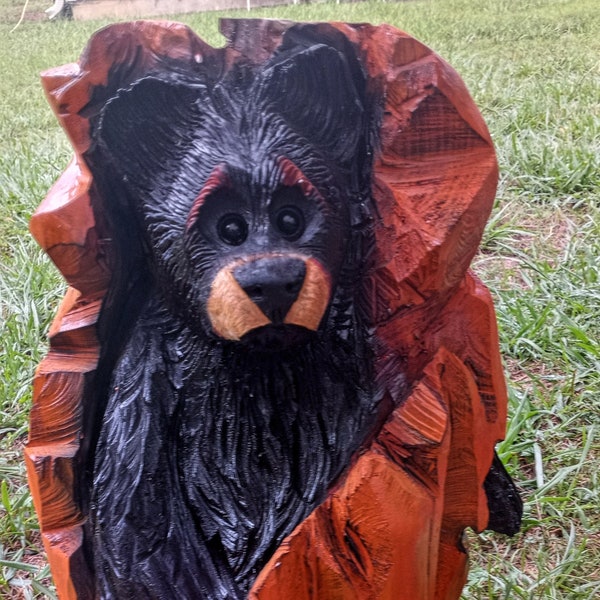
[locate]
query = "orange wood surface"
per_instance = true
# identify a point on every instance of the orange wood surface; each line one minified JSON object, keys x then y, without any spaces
{"x":391,"y":527}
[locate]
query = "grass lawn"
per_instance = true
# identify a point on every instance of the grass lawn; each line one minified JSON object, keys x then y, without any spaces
{"x":533,"y":68}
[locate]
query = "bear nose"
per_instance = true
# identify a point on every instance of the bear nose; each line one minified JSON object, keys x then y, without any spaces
{"x":272,"y":283}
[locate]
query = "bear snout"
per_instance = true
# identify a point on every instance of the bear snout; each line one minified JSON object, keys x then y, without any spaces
{"x":272,"y":283}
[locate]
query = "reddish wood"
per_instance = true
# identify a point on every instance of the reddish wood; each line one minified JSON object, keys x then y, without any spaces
{"x":391,"y":527}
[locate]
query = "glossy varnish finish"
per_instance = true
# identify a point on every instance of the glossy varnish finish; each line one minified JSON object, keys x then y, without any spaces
{"x":432,"y":404}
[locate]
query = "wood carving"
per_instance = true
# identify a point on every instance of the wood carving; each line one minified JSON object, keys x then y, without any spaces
{"x":273,"y":375}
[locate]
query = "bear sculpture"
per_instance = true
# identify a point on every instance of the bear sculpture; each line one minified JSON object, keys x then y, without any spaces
{"x":273,"y":375}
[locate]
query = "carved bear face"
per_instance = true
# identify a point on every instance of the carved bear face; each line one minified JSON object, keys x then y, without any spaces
{"x":280,"y":244}
{"x":241,"y":190}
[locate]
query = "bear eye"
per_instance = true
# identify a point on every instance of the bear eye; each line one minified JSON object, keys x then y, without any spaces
{"x":232,"y":229}
{"x":289,"y":222}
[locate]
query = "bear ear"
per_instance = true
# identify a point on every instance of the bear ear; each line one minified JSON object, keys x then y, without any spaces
{"x":144,"y":128}
{"x":313,"y":88}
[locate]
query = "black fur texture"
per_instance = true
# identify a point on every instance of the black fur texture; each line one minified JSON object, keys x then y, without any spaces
{"x":211,"y":451}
